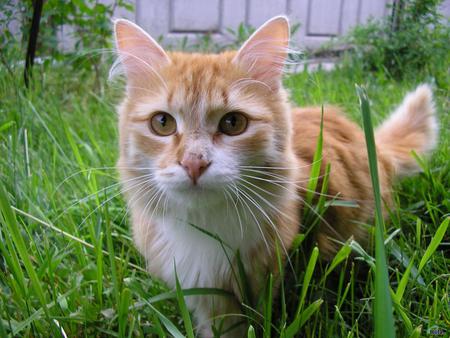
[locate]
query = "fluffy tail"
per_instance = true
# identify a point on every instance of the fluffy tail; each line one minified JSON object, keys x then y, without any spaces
{"x":413,"y":126}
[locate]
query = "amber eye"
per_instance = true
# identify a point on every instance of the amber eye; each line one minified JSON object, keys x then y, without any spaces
{"x":233,"y":123}
{"x":163,"y":124}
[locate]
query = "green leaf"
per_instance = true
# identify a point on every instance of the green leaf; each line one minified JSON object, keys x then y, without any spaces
{"x":341,"y":255}
{"x":309,"y":311}
{"x":183,"y":308}
{"x":300,"y":320}
{"x":158,"y":327}
{"x":125,"y":298}
{"x":251,"y":332}
{"x":167,"y":323}
{"x":435,"y":241}
{"x":404,"y":281}
{"x":189,"y":292}
{"x":308,"y":275}
{"x":99,"y":270}
{"x":10,"y":221}
{"x":316,"y":165}
{"x":417,"y":332}
{"x":268,"y":308}
{"x":384,"y":320}
{"x":7,"y":125}
{"x":293,"y":328}
{"x":243,"y":281}
{"x":401,"y":311}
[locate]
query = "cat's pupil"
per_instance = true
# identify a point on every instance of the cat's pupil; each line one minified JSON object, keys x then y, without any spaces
{"x":232,"y":121}
{"x":163,"y":120}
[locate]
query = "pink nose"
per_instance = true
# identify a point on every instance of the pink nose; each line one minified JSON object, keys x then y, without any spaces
{"x":195,"y":166}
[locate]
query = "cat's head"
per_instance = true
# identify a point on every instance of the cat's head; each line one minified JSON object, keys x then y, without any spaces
{"x":193,"y":123}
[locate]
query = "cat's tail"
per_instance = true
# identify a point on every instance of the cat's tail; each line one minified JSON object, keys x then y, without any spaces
{"x":412,"y":127}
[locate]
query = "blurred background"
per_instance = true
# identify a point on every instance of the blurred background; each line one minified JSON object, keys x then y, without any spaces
{"x":387,"y":34}
{"x":318,"y":21}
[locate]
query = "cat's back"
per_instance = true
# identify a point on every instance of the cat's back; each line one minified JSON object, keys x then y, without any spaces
{"x":343,"y":140}
{"x":345,"y":150}
{"x":337,"y":130}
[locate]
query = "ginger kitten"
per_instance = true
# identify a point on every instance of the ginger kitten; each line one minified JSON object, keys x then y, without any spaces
{"x":209,"y":141}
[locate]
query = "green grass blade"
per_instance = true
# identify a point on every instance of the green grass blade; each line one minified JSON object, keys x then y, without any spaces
{"x":418,"y":231}
{"x":293,"y":328}
{"x":112,"y":262}
{"x":190,"y":292}
{"x":125,"y":298}
{"x":11,"y":258}
{"x":38,"y":313}
{"x":2,"y":329}
{"x":158,"y":327}
{"x":99,"y":262}
{"x":173,"y":330}
{"x":308,"y":275}
{"x":11,"y":223}
{"x":300,"y":320}
{"x":74,"y":238}
{"x":268,"y":308}
{"x":309,"y":311}
{"x":321,"y":205}
{"x":404,"y":281}
{"x":435,"y":241}
{"x":341,"y":255}
{"x":183,"y":308}
{"x":251,"y":332}
{"x":417,"y":332}
{"x":243,"y":281}
{"x":315,"y":168}
{"x":282,"y":286}
{"x":401,"y":311}
{"x":383,"y":316}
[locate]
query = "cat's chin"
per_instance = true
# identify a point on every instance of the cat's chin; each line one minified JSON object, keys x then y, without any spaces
{"x":200,"y":195}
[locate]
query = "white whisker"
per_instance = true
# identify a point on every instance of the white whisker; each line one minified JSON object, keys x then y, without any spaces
{"x":302,"y":199}
{"x":254,"y":217}
{"x":109,"y":199}
{"x":236,"y":207}
{"x":97,"y":192}
{"x":271,"y":223}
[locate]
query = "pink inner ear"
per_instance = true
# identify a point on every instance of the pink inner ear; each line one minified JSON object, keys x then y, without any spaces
{"x":264,"y":53}
{"x":139,"y":53}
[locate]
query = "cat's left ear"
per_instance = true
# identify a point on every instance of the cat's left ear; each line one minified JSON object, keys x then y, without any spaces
{"x":264,"y":53}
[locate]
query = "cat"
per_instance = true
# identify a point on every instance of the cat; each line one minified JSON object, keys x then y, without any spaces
{"x":215,"y":161}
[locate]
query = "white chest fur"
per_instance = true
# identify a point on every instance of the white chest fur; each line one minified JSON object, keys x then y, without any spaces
{"x":201,"y":260}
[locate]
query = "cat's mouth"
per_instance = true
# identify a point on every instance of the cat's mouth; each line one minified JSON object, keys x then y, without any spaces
{"x":199,"y":188}
{"x":195,"y":196}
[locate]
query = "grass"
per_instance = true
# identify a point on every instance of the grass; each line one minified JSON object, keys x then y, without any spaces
{"x":384,"y":322}
{"x":68,"y":265}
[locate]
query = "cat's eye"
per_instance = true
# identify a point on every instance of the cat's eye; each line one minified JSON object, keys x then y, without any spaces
{"x":163,"y":124}
{"x":233,"y":123}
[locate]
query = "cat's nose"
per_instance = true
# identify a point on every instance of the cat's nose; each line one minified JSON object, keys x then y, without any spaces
{"x":195,"y":166}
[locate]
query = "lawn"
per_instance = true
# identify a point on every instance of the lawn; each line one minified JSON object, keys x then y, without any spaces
{"x":68,"y":265}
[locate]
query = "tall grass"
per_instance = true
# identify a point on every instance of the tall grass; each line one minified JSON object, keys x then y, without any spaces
{"x":68,"y":265}
{"x":384,"y":322}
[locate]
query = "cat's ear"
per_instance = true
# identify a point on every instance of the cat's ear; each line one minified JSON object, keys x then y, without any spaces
{"x":264,"y":53}
{"x":138,"y":52}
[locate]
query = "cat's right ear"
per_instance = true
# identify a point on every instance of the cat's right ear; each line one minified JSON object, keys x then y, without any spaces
{"x":138,"y":52}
